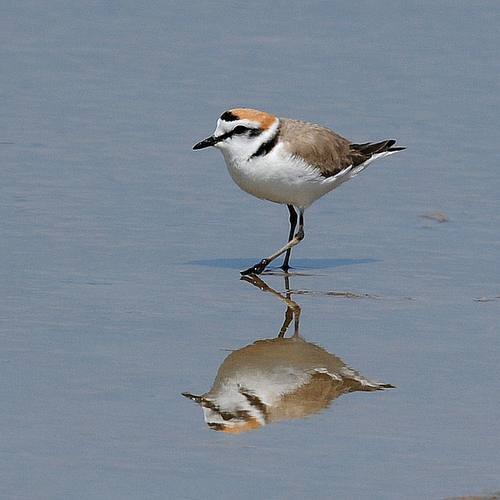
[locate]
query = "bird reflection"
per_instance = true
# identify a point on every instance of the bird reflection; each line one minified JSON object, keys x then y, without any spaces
{"x":277,"y":379}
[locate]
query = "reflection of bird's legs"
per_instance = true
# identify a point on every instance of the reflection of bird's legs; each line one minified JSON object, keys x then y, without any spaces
{"x":292,"y":310}
{"x":289,"y":314}
{"x":287,"y":286}
{"x":296,"y":325}
{"x":296,"y":309}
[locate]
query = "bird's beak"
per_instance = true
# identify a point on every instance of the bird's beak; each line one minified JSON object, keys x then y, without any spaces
{"x":210,"y":141}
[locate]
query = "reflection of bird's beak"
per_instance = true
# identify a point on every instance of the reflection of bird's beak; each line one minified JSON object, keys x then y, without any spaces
{"x":210,"y":141}
{"x":196,"y":399}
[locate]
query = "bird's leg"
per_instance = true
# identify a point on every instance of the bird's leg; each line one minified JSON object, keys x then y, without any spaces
{"x":293,"y":223}
{"x":299,"y":236}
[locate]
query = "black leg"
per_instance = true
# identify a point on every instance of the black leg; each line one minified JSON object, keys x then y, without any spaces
{"x":299,"y":236}
{"x":293,"y":225}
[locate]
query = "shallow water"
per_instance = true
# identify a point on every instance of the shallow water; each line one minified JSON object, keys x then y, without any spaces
{"x":121,"y":248}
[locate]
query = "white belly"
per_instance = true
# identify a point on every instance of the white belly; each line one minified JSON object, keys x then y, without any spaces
{"x":283,"y":179}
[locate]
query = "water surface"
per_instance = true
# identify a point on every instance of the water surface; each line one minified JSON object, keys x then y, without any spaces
{"x":121,"y":248}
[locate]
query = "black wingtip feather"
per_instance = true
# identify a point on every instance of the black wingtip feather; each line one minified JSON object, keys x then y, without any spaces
{"x":371,"y":148}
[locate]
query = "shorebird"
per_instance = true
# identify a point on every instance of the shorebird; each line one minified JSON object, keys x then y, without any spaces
{"x":287,"y":161}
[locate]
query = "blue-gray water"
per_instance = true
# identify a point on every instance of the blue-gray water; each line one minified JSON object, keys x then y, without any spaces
{"x":121,"y":247}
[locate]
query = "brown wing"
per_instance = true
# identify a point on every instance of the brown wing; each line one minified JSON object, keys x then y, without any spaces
{"x":319,"y":146}
{"x":326,"y":150}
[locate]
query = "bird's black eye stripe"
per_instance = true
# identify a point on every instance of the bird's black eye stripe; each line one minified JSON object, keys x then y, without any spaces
{"x":241,"y":129}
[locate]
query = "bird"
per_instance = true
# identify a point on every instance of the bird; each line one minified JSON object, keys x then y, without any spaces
{"x":277,"y":379}
{"x":288,"y":161}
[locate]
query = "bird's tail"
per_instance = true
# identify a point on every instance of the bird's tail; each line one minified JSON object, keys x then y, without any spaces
{"x":372,"y":148}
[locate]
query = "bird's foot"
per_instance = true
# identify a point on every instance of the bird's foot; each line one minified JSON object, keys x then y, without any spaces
{"x":257,"y":269}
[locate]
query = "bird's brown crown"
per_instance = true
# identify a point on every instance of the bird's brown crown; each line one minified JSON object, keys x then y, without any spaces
{"x":265,"y":119}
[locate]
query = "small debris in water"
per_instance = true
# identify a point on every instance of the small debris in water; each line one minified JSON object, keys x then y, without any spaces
{"x":438,"y":217}
{"x":487,"y":299}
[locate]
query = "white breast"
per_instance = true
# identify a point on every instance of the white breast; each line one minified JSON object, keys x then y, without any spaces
{"x":282,"y":178}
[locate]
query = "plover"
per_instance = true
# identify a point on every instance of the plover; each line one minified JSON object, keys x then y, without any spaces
{"x":287,"y":161}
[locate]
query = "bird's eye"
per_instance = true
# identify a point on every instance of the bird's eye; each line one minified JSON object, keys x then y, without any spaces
{"x":240,"y":129}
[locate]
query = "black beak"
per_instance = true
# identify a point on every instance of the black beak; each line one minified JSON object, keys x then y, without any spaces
{"x":211,"y":141}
